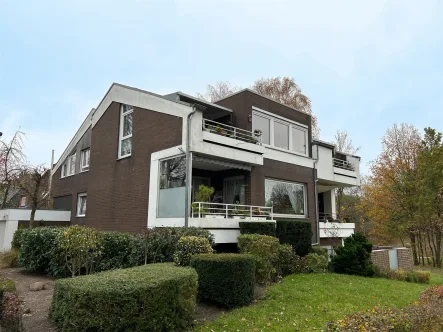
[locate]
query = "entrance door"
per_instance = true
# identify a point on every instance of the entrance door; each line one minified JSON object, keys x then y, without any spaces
{"x":234,"y":190}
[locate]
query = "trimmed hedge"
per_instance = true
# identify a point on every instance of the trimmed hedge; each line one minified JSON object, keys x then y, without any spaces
{"x":115,"y":252}
{"x":154,"y":297}
{"x":226,"y":279}
{"x":259,"y":227}
{"x":37,"y":250}
{"x":40,"y":248}
{"x":188,"y":246}
{"x":265,"y":250}
{"x":296,"y":233}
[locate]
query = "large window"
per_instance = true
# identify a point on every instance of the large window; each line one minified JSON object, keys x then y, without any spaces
{"x":84,"y":159}
{"x":288,"y":198}
{"x":172,"y":181}
{"x":263,"y":123}
{"x":81,"y":205}
{"x":68,"y":168}
{"x":125,"y":142}
{"x":280,"y":133}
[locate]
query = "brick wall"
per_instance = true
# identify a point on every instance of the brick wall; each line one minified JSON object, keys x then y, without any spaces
{"x":404,"y":259}
{"x":118,"y":193}
{"x":381,"y":259}
{"x":404,"y":256}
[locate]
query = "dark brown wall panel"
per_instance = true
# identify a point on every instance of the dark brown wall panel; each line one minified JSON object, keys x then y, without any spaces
{"x":273,"y":169}
{"x":118,"y":193}
{"x":243,"y":102}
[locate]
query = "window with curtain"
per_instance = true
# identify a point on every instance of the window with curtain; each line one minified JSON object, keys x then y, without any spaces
{"x":234,"y":190}
{"x":288,"y":198}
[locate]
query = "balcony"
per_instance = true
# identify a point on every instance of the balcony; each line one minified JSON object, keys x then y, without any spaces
{"x":231,"y":211}
{"x":232,"y":132}
{"x":344,"y":164}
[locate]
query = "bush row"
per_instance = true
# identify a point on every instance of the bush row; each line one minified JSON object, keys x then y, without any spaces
{"x":274,"y":260}
{"x":420,"y":277}
{"x":423,"y":315}
{"x":56,"y":250}
{"x":296,"y":233}
{"x":154,"y":297}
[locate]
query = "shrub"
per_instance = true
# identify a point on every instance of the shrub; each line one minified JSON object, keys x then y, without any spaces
{"x":37,"y":246}
{"x":6,"y":285}
{"x":9,"y":258}
{"x":422,"y":277}
{"x":354,"y":257}
{"x":17,"y":238}
{"x":377,"y":319}
{"x":316,"y":263}
{"x":264,"y":249}
{"x":259,"y":227}
{"x":289,"y":262}
{"x":116,"y":251}
{"x":320,"y":251}
{"x":188,"y":246}
{"x":154,"y":297}
{"x":400,"y":275}
{"x":296,"y":233}
{"x":433,"y":294}
{"x":81,"y":248}
{"x":11,"y":314}
{"x":226,"y":279}
{"x":159,"y":244}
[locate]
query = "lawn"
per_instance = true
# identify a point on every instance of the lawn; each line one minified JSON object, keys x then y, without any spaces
{"x":306,"y":302}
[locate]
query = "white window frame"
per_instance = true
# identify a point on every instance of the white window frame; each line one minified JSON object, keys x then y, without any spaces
{"x":66,"y":167}
{"x":85,"y":167}
{"x":292,"y":124}
{"x":25,"y":199}
{"x":78,"y":204}
{"x":123,"y":113}
{"x":305,"y":200}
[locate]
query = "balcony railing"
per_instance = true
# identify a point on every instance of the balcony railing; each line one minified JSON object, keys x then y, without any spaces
{"x":230,"y":131}
{"x":231,"y":211}
{"x":343,"y":164}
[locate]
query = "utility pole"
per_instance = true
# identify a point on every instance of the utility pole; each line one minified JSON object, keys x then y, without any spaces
{"x":50,"y":179}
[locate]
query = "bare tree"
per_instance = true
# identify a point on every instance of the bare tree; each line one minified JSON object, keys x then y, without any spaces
{"x":33,"y":181}
{"x":345,"y":205}
{"x":11,"y":164}
{"x":282,"y":89}
{"x":218,"y":91}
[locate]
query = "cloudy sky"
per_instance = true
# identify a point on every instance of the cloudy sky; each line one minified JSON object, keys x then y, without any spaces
{"x":364,"y":64}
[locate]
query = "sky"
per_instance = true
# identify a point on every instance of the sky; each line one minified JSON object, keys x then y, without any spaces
{"x":365,"y":65}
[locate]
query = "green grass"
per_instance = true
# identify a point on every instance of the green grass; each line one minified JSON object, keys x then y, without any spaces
{"x":306,"y":302}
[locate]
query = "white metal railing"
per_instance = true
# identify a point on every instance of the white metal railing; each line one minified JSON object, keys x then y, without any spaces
{"x":231,"y":211}
{"x":343,"y":164}
{"x":230,"y":131}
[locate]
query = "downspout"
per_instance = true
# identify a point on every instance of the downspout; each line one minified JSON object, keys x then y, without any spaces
{"x":316,"y":198}
{"x":188,"y":162}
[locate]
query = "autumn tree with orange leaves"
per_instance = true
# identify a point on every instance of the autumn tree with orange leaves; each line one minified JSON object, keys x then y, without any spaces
{"x":403,"y":195}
